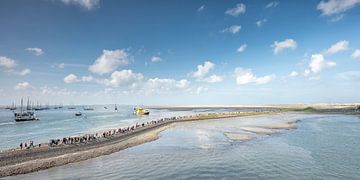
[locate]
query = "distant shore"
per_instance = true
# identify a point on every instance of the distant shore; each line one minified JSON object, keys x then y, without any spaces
{"x":16,"y":161}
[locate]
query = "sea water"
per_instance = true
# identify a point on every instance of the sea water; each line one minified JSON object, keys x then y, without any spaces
{"x":322,"y":147}
{"x":59,"y":123}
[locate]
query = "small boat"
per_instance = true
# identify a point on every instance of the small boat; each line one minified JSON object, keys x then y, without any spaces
{"x":78,"y":114}
{"x":105,"y":107}
{"x":141,"y":111}
{"x":71,"y":107}
{"x":115,"y":107}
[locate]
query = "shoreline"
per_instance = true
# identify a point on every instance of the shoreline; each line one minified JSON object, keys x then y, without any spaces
{"x":16,"y":161}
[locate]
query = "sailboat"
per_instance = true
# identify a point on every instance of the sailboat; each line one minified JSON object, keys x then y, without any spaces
{"x":25,"y":115}
{"x":115,"y":107}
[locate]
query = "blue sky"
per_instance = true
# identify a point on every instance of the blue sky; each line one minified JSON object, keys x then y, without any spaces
{"x":180,"y":52}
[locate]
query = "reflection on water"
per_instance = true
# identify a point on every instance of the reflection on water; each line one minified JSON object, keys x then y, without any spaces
{"x":323,"y":147}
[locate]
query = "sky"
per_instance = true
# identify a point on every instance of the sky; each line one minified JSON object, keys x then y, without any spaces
{"x":175,"y":52}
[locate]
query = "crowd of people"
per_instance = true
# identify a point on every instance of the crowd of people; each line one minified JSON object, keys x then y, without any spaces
{"x":113,"y":132}
{"x":28,"y":145}
{"x":107,"y":134}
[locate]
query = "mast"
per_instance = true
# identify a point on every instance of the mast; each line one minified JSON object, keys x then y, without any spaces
{"x":21,"y":108}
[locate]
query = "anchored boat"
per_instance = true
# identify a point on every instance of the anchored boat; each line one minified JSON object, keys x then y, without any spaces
{"x":141,"y":111}
{"x":27,"y":115}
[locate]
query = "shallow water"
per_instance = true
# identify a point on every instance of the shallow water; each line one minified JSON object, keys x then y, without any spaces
{"x":323,"y":147}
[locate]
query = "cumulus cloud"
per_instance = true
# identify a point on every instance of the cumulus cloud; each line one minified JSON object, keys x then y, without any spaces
{"x":203,"y":70}
{"x":158,"y":84}
{"x":272,"y":4}
{"x":23,"y":86}
{"x":85,"y":4}
{"x":237,"y":10}
{"x":214,"y":79}
{"x":350,"y":75}
{"x":246,"y":76}
{"x":356,"y":54}
{"x":24,"y":72}
{"x":338,"y":47}
{"x":7,"y":62}
{"x":242,"y":48}
{"x":201,"y":8}
{"x":71,"y":78}
{"x":109,"y":61}
{"x":232,"y":29}
{"x":286,"y":44}
{"x":87,"y":78}
{"x":123,"y":78}
{"x":331,"y":7}
{"x":293,"y":74}
{"x":259,"y":23}
{"x":317,"y":63}
{"x":156,"y":59}
{"x":36,"y":51}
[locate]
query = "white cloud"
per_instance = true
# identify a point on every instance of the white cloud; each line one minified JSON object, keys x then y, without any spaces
{"x":246,"y":76}
{"x":201,"y":8}
{"x":259,"y":23}
{"x":237,"y":10}
{"x":317,"y":63}
{"x":157,"y":84}
{"x":35,"y":51}
{"x":272,"y":4}
{"x":332,"y":7}
{"x":182,"y":84}
{"x":23,"y":86}
{"x":25,"y":72}
{"x":109,"y":61}
{"x":350,"y":76}
{"x":87,"y":78}
{"x":338,"y":47}
{"x":232,"y":29}
{"x":123,"y":78}
{"x":214,"y":79}
{"x":156,"y":59}
{"x":202,"y":70}
{"x":71,"y":78}
{"x":286,"y":44}
{"x":356,"y":54}
{"x":242,"y":48}
{"x":293,"y":74}
{"x":85,"y":4}
{"x":7,"y":62}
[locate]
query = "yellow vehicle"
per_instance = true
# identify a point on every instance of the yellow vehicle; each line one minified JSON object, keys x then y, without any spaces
{"x":141,"y":111}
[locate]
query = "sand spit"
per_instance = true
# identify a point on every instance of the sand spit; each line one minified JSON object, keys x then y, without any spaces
{"x":289,"y":124}
{"x":238,"y":136}
{"x":258,"y":130}
{"x":45,"y":163}
{"x":271,"y":128}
